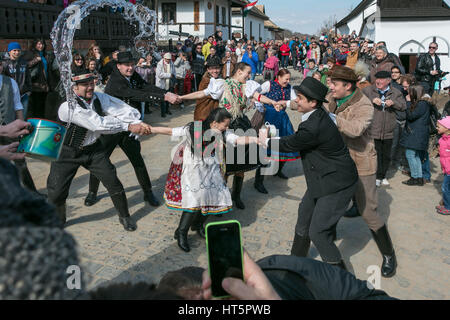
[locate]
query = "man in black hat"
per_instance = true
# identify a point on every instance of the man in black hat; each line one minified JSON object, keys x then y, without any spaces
{"x":330,"y":173}
{"x":128,"y":86}
{"x":95,"y":114}
{"x":386,"y":100}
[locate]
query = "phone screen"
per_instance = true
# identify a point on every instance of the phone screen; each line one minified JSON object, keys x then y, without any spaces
{"x":224,"y":254}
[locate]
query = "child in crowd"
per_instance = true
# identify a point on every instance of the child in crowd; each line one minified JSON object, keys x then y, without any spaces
{"x":443,"y":127}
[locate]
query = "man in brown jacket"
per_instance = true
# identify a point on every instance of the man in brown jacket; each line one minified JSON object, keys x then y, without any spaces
{"x":229,"y":62}
{"x":354,"y":113}
{"x":204,"y":106}
{"x":386,"y":101}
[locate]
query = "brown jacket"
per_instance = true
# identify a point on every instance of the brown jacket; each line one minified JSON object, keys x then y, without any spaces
{"x":232,"y":66}
{"x":204,"y":106}
{"x":352,"y":59}
{"x":384,"y":65}
{"x":353,"y":121}
{"x":384,"y":121}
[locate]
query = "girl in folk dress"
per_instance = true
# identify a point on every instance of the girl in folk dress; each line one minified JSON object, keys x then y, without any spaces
{"x":196,"y":182}
{"x":235,"y":95}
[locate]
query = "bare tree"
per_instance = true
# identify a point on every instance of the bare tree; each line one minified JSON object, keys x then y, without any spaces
{"x":328,"y":26}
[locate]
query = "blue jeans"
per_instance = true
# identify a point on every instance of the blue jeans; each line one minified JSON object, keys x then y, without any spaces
{"x":425,"y":159}
{"x":415,"y":164}
{"x":24,"y":100}
{"x":284,"y":61}
{"x":260,"y":67}
{"x":446,"y":191}
{"x":252,"y":77}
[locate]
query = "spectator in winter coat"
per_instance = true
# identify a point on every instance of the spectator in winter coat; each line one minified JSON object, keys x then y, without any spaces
{"x":251,"y":57}
{"x":198,"y":65}
{"x":16,"y":67}
{"x":181,"y":68}
{"x":229,"y":63}
{"x":206,"y":48}
{"x":261,"y":51}
{"x":271,"y":66}
{"x":381,"y":62}
{"x":285,"y":52}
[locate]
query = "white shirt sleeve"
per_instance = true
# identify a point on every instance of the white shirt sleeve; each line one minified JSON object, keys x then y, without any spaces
{"x":119,"y":109}
{"x":16,"y":94}
{"x":114,"y":122}
{"x":252,"y":87}
{"x":265,"y":87}
{"x":231,"y":137}
{"x":215,"y":88}
{"x":179,"y":132}
{"x":293,"y":97}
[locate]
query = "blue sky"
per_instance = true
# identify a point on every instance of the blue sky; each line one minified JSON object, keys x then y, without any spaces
{"x":307,"y":16}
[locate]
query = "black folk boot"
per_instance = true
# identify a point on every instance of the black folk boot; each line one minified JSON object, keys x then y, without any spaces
{"x":236,"y":193}
{"x":198,"y":224}
{"x":121,"y":204}
{"x":300,"y":246}
{"x":61,"y":212}
{"x":146,"y":185}
{"x":182,"y":231}
{"x":259,"y":182}
{"x":384,"y":243}
{"x":91,"y":198}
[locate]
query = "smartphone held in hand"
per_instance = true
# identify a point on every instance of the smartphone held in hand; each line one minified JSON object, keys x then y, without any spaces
{"x":225,"y":255}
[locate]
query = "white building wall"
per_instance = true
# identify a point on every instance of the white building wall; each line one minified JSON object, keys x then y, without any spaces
{"x":185,"y":13}
{"x":398,"y":35}
{"x":258,"y":27}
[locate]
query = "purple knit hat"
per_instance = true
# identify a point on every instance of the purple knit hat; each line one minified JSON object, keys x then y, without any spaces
{"x":445,"y":122}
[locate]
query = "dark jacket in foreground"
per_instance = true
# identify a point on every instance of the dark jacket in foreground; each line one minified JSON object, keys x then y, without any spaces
{"x":134,"y":91}
{"x":19,"y":71}
{"x":326,"y":160}
{"x":296,"y":278}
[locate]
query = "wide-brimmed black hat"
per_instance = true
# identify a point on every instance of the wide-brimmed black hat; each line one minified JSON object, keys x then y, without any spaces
{"x":83,"y":75}
{"x":125,"y":57}
{"x":382,"y":75}
{"x":213,"y":62}
{"x":313,"y":89}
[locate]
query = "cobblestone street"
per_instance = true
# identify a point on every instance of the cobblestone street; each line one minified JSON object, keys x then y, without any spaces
{"x":108,"y":253}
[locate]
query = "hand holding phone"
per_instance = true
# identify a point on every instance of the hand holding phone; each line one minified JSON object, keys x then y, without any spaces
{"x":255,"y":287}
{"x":224,"y":248}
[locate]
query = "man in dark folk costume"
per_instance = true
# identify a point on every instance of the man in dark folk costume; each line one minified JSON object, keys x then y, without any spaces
{"x":95,"y":114}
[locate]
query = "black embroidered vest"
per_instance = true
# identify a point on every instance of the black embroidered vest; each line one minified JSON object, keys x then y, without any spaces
{"x":75,"y":134}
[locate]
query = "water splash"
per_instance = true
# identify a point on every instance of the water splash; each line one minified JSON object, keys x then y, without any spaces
{"x":70,"y":19}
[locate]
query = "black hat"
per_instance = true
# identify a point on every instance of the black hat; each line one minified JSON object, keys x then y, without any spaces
{"x":313,"y":89}
{"x":382,"y":74}
{"x":83,"y":75}
{"x":213,"y":62}
{"x":124,"y":57}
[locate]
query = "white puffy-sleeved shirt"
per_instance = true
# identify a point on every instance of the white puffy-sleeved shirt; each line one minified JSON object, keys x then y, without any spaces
{"x":216,"y":88}
{"x":265,"y":88}
{"x":119,"y":116}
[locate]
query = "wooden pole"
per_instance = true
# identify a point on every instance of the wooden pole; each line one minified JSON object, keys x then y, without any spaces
{"x":215,"y":17}
{"x":229,"y":20}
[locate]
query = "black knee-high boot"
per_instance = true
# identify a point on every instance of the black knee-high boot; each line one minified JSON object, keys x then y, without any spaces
{"x":121,"y":204}
{"x":182,"y":230}
{"x":198,"y":224}
{"x":280,"y":174}
{"x":259,"y":182}
{"x":236,"y":193}
{"x":25,"y":175}
{"x":61,"y":212}
{"x":146,"y":185}
{"x":384,"y":243}
{"x":91,"y":198}
{"x":300,"y":247}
